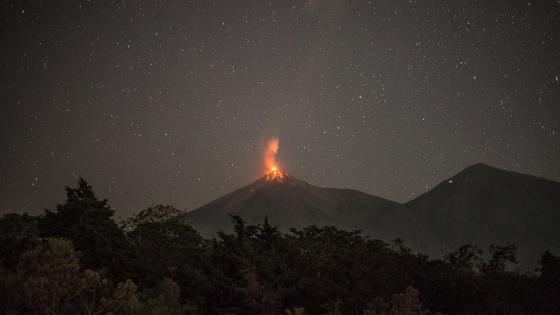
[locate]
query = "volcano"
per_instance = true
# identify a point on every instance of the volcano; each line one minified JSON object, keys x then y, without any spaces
{"x":481,"y":205}
{"x":289,"y":202}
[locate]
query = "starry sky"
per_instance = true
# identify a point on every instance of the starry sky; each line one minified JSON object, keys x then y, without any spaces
{"x":173,"y":101}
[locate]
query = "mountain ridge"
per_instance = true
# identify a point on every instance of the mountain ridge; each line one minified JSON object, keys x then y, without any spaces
{"x":480,"y":205}
{"x":485,"y":205}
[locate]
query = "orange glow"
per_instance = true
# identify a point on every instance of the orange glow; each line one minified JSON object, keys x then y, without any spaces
{"x":276,"y":174}
{"x":272,"y":168}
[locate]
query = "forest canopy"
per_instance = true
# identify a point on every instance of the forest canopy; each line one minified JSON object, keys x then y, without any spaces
{"x":77,"y":258}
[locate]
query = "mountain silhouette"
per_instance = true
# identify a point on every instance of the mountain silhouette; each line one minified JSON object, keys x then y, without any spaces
{"x":293,"y":203}
{"x":482,"y":205}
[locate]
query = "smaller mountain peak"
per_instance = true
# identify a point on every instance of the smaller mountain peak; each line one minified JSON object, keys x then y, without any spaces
{"x":482,"y":171}
{"x":480,"y":167}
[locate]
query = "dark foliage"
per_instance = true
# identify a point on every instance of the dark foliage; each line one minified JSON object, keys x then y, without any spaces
{"x":153,"y":263}
{"x":87,"y":222}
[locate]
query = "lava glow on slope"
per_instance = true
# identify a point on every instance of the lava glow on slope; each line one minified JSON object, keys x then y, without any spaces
{"x":272,"y":168}
{"x":275,"y":175}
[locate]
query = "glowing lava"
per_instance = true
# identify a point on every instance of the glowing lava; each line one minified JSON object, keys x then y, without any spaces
{"x":272,"y":168}
{"x":275,"y":175}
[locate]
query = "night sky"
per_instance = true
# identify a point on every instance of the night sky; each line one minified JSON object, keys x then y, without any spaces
{"x":173,"y":101}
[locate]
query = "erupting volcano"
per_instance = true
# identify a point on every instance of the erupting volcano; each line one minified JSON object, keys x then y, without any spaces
{"x":464,"y":209}
{"x":272,"y":168}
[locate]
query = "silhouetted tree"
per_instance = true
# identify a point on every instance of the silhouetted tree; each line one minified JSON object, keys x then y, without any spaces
{"x":87,"y":222}
{"x":406,"y":303}
{"x":54,"y":284}
{"x":466,"y":258}
{"x":169,"y":248}
{"x":18,"y":233}
{"x":549,"y":281}
{"x":500,"y":257}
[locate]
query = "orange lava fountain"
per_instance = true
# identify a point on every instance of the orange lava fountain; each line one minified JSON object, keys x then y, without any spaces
{"x":272,"y":168}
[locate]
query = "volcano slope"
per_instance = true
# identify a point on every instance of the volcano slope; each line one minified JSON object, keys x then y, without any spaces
{"x":288,"y":203}
{"x":482,"y":205}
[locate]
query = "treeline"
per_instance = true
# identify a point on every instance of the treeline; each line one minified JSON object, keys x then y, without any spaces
{"x":78,"y":260}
